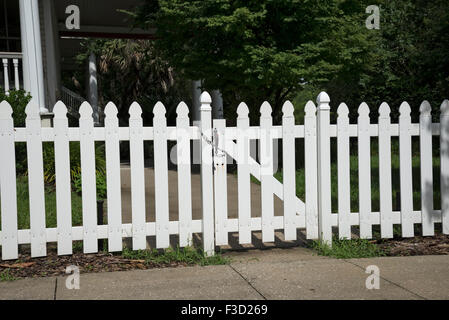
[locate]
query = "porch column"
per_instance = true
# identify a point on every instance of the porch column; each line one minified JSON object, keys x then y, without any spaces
{"x":196,"y":92}
{"x":217,"y":104}
{"x":33,"y":74}
{"x":93,"y":87}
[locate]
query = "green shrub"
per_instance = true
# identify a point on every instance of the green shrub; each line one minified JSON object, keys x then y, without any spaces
{"x":18,"y":101}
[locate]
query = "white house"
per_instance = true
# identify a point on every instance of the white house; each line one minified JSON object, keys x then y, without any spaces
{"x":37,"y":45}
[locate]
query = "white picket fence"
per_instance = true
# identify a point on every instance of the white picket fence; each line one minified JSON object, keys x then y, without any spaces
{"x":217,"y":143}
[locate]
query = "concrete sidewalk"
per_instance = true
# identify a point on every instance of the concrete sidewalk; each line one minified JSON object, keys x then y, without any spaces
{"x":294,"y":273}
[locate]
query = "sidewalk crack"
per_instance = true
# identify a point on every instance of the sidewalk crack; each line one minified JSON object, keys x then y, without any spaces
{"x":56,"y":288}
{"x":389,"y":281}
{"x":247,"y":281}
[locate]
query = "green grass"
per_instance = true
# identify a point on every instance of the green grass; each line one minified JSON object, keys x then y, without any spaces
{"x":23,"y":205}
{"x":354,"y":186}
{"x":347,"y":249}
{"x":6,"y":276}
{"x":188,"y":255}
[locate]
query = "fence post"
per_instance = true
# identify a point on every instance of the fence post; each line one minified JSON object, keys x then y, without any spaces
{"x":444,"y":165}
{"x":207,"y":204}
{"x":324,"y":169}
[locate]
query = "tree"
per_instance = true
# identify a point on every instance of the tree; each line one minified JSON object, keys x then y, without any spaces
{"x":132,"y":70}
{"x":261,"y":50}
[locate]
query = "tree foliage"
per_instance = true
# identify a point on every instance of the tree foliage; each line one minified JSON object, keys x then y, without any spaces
{"x":133,"y":70}
{"x":262,"y":50}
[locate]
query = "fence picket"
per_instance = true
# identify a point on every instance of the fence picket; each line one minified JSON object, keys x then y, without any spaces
{"x":266,"y":172}
{"x":243,"y":174}
{"x":364,"y":157}
{"x":137,"y":176}
{"x":444,"y":165}
{"x":425,"y":144}
{"x":36,"y":181}
{"x":63,"y":182}
{"x":8,"y":191}
{"x":311,"y":171}
{"x":343,"y":161}
{"x":220,"y":183}
{"x":161,"y":176}
{"x":113,"y":184}
{"x":385,"y":193}
{"x":184,"y":177}
{"x":289,"y":171}
{"x":405,"y":157}
{"x":88,"y":178}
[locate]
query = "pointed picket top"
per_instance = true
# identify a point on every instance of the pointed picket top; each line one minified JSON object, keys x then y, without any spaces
{"x":288,"y":109}
{"x":445,"y":108}
{"x":206,"y":100}
{"x":135,"y":111}
{"x":242,"y":110}
{"x":32,"y":110}
{"x":86,"y":110}
{"x":343,"y":110}
{"x":60,"y":110}
{"x":159,"y":110}
{"x":404,"y":109}
{"x":384,"y":110}
{"x":265,"y":110}
{"x":5,"y":110}
{"x":310,"y":108}
{"x":110,"y":111}
{"x":425,"y":109}
{"x":182,"y":110}
{"x":364,"y":110}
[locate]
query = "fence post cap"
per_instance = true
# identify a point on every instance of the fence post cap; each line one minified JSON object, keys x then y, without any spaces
{"x":5,"y":110}
{"x":205,"y":100}
{"x":323,"y":100}
{"x":242,"y":110}
{"x":60,"y":110}
{"x":445,"y":107}
{"x":182,"y":110}
{"x":425,"y":108}
{"x":384,"y":110}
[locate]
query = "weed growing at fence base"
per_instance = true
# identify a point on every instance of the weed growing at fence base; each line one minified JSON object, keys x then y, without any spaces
{"x":6,"y":276}
{"x":187,"y":255}
{"x":347,"y":249}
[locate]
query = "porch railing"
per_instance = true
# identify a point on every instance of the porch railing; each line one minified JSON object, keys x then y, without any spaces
{"x":72,"y":100}
{"x":10,"y":62}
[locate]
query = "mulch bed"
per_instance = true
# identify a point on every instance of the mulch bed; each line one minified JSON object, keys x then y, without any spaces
{"x":418,"y":246}
{"x":54,"y":265}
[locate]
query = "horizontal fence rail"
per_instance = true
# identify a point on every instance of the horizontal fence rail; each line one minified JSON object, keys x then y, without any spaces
{"x":220,"y":143}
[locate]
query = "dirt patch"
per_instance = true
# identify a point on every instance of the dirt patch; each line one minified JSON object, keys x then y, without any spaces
{"x":54,"y":265}
{"x":418,"y":246}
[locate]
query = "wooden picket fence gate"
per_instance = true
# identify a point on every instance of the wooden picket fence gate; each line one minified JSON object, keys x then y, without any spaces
{"x":217,"y":143}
